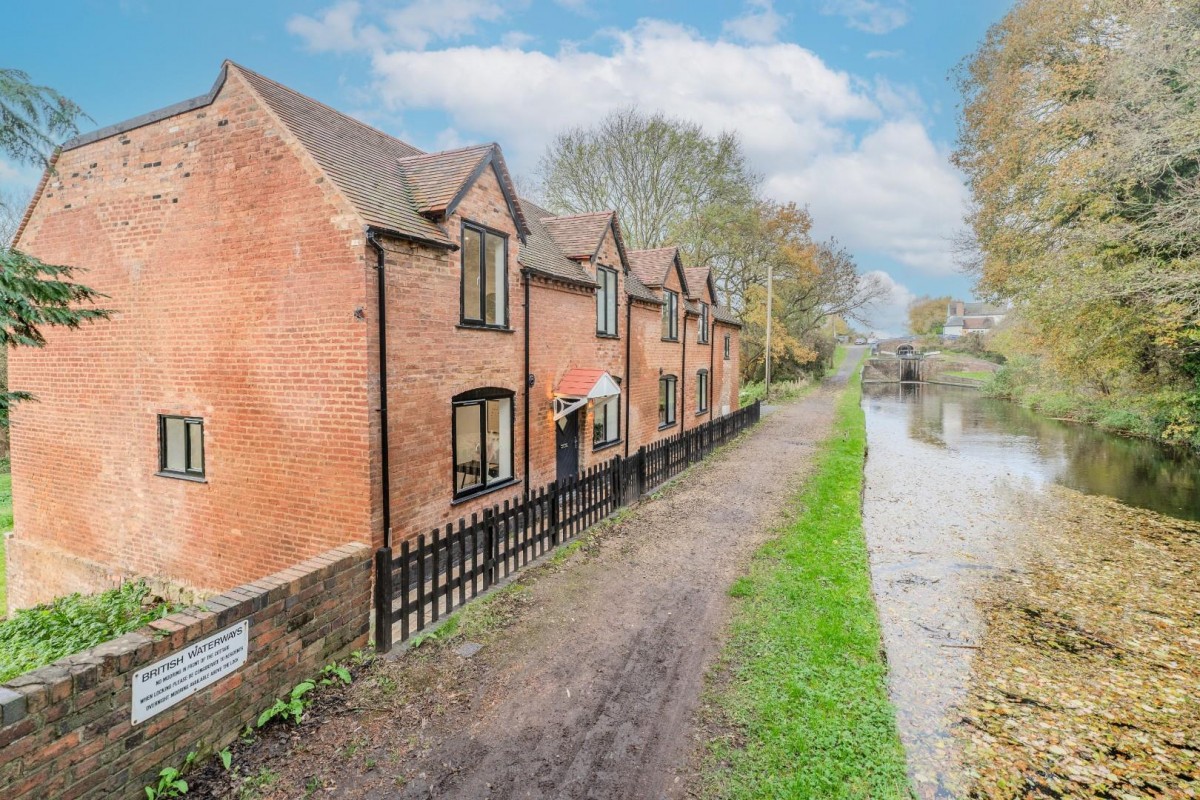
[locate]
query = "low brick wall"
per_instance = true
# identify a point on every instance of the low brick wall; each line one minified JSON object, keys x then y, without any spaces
{"x":66,"y":729}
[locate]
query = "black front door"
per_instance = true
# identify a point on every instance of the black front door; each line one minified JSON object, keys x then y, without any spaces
{"x":567,"y":441}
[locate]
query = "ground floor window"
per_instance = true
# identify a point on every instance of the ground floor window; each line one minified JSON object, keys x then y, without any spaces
{"x":666,"y":401}
{"x":701,"y":391}
{"x":606,"y":421}
{"x":483,"y":440}
{"x":180,"y":446}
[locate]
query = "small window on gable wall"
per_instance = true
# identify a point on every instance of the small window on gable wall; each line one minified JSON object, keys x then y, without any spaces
{"x":606,"y":301}
{"x":180,"y":447}
{"x":728,"y":338}
{"x":484,"y":277}
{"x":703,"y":323}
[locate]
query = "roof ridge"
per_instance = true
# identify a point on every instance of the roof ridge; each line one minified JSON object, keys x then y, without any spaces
{"x":359,"y":122}
{"x":485,"y":146}
{"x":656,"y":249}
{"x":580,"y":216}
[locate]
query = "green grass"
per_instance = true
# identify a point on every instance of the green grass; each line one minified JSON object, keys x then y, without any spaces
{"x":979,"y":375}
{"x":803,"y":688}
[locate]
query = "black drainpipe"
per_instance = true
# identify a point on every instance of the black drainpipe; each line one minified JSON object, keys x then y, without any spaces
{"x":528,"y":376}
{"x":712,"y":359}
{"x":683,"y":372}
{"x":628,"y":386}
{"x":385,"y":463}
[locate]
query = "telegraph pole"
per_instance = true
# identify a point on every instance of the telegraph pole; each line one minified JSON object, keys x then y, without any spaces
{"x":770,"y":292}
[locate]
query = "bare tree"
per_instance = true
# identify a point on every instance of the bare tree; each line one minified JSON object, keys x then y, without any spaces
{"x":12,"y":207}
{"x":655,"y":171}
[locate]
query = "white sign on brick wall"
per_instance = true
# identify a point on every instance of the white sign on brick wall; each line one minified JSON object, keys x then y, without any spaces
{"x":185,"y":672}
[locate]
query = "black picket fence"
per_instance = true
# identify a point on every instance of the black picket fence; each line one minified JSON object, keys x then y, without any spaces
{"x":436,"y":573}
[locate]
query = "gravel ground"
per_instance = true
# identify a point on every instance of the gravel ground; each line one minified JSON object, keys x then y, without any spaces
{"x":589,"y":681}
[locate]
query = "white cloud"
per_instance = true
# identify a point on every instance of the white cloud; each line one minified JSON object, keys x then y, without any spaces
{"x":332,"y":30}
{"x":415,"y":25}
{"x":871,"y":16}
{"x":894,"y":192}
{"x":875,"y":54}
{"x":888,"y":316}
{"x":853,"y":150}
{"x":760,"y":24}
{"x":516,"y":39}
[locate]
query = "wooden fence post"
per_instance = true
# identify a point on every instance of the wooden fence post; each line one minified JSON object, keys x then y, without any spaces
{"x":554,"y":514}
{"x":641,"y":471}
{"x":489,"y":535}
{"x":383,"y":600}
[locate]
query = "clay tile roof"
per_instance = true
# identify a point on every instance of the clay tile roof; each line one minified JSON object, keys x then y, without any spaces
{"x":638,"y":291}
{"x":361,"y":161}
{"x":540,"y":254}
{"x":436,"y":178}
{"x":579,"y":235}
{"x":697,"y":277}
{"x":725,"y":316}
{"x":652,"y":266}
{"x":578,"y":382}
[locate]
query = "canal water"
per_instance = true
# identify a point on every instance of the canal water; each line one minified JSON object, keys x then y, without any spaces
{"x":1026,"y":569}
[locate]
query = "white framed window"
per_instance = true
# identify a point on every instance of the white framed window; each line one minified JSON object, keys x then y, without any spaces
{"x":703,"y":335}
{"x":606,"y":421}
{"x":702,"y":391}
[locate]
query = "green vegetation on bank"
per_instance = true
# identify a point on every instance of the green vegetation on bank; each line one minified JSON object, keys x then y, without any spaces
{"x":839,"y":356}
{"x":1152,"y":415}
{"x":973,"y":375}
{"x":35,"y":637}
{"x":6,"y":523}
{"x":803,"y":684}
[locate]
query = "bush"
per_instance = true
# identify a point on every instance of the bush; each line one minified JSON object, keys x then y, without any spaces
{"x":35,"y":637}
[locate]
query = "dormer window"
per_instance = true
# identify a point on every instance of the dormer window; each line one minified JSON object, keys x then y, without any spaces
{"x":670,"y":311}
{"x":484,"y":277}
{"x":606,"y":301}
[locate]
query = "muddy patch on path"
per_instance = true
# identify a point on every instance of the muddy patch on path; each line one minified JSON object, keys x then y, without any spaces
{"x":591,"y":667}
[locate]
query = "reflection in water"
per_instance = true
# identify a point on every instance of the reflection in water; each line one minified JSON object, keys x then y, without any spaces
{"x":954,"y":482}
{"x":1136,"y":472}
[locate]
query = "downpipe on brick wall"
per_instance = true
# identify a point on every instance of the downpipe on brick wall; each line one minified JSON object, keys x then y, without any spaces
{"x":381,"y":318}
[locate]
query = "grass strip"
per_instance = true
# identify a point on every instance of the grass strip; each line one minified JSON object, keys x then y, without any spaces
{"x":802,"y":694}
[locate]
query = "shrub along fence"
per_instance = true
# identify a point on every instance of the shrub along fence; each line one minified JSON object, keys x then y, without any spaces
{"x":432,"y":575}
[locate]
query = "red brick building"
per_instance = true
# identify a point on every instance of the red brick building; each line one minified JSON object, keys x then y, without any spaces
{"x":285,"y":281}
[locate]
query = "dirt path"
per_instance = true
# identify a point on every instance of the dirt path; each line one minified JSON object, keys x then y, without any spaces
{"x":591,"y":690}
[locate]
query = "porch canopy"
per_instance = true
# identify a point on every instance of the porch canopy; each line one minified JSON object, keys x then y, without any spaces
{"x":580,"y":385}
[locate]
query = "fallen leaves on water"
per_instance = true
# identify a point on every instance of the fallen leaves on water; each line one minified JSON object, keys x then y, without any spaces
{"x":1087,"y":683}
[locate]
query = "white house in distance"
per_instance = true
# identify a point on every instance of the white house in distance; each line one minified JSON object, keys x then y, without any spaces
{"x":963,"y":318}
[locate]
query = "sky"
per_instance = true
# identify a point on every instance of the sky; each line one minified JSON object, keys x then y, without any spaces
{"x":846,"y":106}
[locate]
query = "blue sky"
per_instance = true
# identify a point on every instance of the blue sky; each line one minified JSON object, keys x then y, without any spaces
{"x":844,"y":105}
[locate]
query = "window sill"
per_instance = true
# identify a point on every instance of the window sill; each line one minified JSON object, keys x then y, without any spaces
{"x":179,"y":476}
{"x":702,"y":412}
{"x":676,"y":339}
{"x":480,"y":492}
{"x":607,"y":335}
{"x":466,"y":326}
{"x":606,"y":445}
{"x":664,"y":426}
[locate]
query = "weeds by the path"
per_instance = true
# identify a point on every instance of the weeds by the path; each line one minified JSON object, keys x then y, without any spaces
{"x":803,"y":691}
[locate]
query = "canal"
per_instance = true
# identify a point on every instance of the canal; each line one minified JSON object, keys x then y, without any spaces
{"x":1039,"y":591}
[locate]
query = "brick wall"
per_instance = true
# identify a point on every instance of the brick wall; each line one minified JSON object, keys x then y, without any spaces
{"x":66,"y":730}
{"x":231,"y":308}
{"x":727,"y":371}
{"x":652,"y":358}
{"x":432,"y":358}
